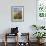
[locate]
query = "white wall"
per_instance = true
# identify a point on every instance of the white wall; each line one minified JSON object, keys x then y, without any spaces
{"x":29,"y":15}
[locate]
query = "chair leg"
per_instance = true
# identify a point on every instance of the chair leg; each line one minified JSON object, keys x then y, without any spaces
{"x":5,"y":43}
{"x":17,"y":41}
{"x":5,"y":40}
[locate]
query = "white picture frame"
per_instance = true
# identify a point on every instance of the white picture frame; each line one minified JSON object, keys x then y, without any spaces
{"x":17,"y":13}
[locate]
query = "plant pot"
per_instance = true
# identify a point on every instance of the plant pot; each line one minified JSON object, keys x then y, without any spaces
{"x":38,"y":40}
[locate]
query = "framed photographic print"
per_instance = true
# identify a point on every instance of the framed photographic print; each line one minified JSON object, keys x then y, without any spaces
{"x":17,"y":13}
{"x":41,"y":8}
{"x":41,"y":12}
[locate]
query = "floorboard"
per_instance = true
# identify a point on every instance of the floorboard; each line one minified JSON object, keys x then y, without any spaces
{"x":13,"y":44}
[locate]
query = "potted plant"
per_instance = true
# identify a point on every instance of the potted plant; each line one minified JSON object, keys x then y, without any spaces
{"x":42,"y":27}
{"x":39,"y":35}
{"x":35,"y":26}
{"x":38,"y":27}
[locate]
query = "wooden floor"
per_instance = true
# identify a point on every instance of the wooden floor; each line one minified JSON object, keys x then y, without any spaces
{"x":13,"y":44}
